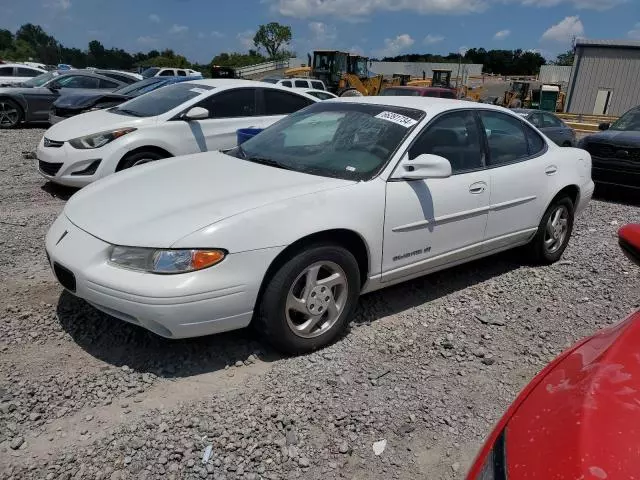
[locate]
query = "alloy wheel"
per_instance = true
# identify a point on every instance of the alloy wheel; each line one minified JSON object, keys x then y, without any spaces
{"x":9,"y":115}
{"x":556,"y":229}
{"x":316,"y":299}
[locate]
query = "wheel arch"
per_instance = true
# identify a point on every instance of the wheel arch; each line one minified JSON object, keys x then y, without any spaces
{"x":145,"y":148}
{"x":349,"y":239}
{"x":572,"y":191}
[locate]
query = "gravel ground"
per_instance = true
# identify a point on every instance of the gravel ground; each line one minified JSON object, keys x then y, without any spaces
{"x":428,"y":366}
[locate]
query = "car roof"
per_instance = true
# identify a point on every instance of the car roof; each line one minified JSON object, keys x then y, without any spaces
{"x":430,"y":105}
{"x":21,"y":65}
{"x":238,"y":82}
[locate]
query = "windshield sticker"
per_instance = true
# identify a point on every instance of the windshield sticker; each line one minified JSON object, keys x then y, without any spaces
{"x":397,"y":118}
{"x":351,"y":169}
{"x":198,"y":90}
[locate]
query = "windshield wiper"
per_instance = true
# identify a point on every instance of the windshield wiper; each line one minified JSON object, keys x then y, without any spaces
{"x":129,"y":112}
{"x":268,"y":161}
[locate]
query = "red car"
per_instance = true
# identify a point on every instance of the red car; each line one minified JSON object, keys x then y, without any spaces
{"x":579,"y":417}
{"x":410,"y":91}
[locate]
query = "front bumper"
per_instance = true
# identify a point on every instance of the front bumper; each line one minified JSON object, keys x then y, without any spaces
{"x":209,"y":301}
{"x":63,"y":165}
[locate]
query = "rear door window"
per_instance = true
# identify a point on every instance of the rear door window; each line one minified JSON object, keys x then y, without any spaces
{"x":277,"y":102}
{"x":509,"y":139}
{"x":302,"y":84}
{"x":107,"y":84}
{"x":6,"y":71}
{"x":27,"y":72}
{"x":231,"y":103}
{"x":166,"y":73}
{"x":182,"y":73}
{"x":78,"y":81}
{"x":317,"y":85}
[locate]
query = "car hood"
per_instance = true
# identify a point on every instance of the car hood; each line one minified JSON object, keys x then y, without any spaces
{"x":82,"y":100}
{"x":616,"y":137}
{"x":93,"y":122}
{"x":582,"y":420}
{"x":156,"y":204}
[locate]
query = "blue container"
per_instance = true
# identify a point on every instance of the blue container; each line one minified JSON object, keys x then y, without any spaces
{"x":245,"y":134}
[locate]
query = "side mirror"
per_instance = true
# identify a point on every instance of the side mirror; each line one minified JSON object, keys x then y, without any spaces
{"x":196,"y":113}
{"x":422,"y":167}
{"x":629,"y":240}
{"x":54,"y":87}
{"x":604,"y":126}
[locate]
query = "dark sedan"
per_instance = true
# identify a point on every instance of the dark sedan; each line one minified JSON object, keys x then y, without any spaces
{"x":31,"y":101}
{"x":74,"y":103}
{"x":549,"y":124}
{"x":615,"y":152}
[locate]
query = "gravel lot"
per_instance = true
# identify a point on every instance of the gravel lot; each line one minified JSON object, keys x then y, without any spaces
{"x":428,"y":366}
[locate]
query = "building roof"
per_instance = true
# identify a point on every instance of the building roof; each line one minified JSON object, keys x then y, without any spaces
{"x":587,"y":42}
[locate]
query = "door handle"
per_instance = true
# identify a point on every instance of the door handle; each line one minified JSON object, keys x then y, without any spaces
{"x":477,"y":188}
{"x":551,"y":169}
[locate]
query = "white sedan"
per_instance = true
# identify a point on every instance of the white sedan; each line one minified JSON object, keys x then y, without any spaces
{"x":287,"y":230}
{"x":188,"y":117}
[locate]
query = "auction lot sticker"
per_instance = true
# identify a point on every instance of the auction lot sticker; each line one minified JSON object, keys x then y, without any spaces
{"x":397,"y":118}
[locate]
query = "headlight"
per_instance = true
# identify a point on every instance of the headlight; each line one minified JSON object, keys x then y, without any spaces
{"x":164,"y":261}
{"x":495,"y":464}
{"x":97,"y":140}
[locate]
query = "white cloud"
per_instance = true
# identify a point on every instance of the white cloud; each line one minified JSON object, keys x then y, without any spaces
{"x":322,"y":33}
{"x":58,"y":4}
{"x":154,"y":18}
{"x":147,"y":40}
{"x":356,"y":50}
{"x":201,"y":35}
{"x":178,"y":29}
{"x":246,"y":38}
{"x":502,"y":34}
{"x":578,"y":4}
{"x":634,"y":33}
{"x":216,"y":34}
{"x":431,"y":39}
{"x":350,"y":10}
{"x":394,"y":46}
{"x":564,"y":31}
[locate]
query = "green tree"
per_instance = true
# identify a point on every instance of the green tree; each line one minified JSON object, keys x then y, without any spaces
{"x":272,"y":37}
{"x":6,"y":40}
{"x":565,"y":58}
{"x":237,"y":60}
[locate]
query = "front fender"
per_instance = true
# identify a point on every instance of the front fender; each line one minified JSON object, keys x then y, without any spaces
{"x":19,"y":99}
{"x":358,"y":208}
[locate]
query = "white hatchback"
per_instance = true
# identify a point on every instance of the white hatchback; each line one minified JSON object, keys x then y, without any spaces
{"x":287,"y":229}
{"x":188,"y":117}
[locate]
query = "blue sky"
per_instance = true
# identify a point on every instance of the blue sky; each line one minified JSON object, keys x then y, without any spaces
{"x":201,"y":29}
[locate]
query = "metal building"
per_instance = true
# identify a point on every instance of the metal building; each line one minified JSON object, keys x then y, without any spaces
{"x":605,"y":79}
{"x":418,"y":69}
{"x":556,"y":74}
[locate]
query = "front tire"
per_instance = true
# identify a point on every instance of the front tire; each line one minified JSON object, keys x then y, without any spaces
{"x":553,"y":233}
{"x":308,"y":301}
{"x":139,"y":158}
{"x":10,"y":113}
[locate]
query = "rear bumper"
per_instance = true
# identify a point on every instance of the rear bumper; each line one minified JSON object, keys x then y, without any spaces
{"x":615,"y":172}
{"x":586,"y":192}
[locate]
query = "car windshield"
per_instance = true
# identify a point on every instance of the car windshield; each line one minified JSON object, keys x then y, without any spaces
{"x":150,"y":72}
{"x":630,"y":121}
{"x":40,"y":80}
{"x":400,"y":92}
{"x":141,"y":87}
{"x":342,"y":140}
{"x":161,"y":100}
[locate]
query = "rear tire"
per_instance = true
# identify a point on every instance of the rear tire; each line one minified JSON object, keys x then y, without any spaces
{"x":10,"y":113}
{"x":308,"y":301}
{"x":139,"y":158}
{"x":553,"y":233}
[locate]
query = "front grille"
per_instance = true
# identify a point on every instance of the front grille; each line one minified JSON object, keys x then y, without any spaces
{"x":52,"y":143}
{"x":604,"y":150}
{"x":65,"y":276}
{"x":49,"y":168}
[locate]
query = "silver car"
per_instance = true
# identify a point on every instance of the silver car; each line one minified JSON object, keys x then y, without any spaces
{"x":551,"y":125}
